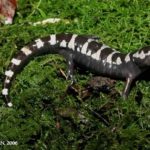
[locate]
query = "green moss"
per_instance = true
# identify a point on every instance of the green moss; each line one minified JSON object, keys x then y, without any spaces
{"x":44,"y":115}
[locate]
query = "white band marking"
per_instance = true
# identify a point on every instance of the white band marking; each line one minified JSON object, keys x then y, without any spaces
{"x":5,"y":91}
{"x":127,"y":58}
{"x":16,"y":61}
{"x":78,"y":49}
{"x":26,"y":51}
{"x":63,"y":43}
{"x":141,"y":55}
{"x":7,"y":81}
{"x":98,"y":53}
{"x":89,"y":53}
{"x":39,"y":43}
{"x":109,"y":58}
{"x":71,"y":43}
{"x":9,"y":73}
{"x":85,"y":46}
{"x":52,"y":41}
{"x":9,"y":104}
{"x":118,"y":61}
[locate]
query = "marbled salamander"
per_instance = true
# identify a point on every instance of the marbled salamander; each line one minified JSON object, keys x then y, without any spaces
{"x":84,"y":51}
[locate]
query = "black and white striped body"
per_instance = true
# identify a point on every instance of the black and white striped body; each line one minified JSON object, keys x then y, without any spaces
{"x":84,"y":51}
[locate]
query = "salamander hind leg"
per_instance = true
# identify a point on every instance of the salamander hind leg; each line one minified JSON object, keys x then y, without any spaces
{"x":127,"y":88}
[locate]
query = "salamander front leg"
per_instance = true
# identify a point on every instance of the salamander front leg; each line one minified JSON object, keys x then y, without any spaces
{"x":127,"y":88}
{"x":70,"y":69}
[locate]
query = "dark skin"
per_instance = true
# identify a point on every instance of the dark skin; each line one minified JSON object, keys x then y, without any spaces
{"x":96,"y":57}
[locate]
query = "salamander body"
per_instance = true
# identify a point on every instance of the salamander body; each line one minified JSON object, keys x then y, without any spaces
{"x":84,"y":51}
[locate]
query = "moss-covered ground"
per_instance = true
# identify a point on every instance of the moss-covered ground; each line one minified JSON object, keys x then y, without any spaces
{"x":44,"y":116}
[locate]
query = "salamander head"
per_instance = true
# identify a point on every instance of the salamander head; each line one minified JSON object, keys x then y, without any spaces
{"x":142,"y":57}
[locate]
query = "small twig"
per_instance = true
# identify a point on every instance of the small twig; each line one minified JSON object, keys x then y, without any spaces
{"x":63,"y":73}
{"x":99,"y":116}
{"x":46,"y":21}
